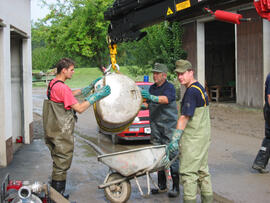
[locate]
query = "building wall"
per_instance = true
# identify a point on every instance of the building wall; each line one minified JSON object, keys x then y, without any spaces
{"x":252,"y":55}
{"x":190,"y":42}
{"x":15,"y":23}
{"x":16,"y":13}
{"x":250,"y":61}
{"x":190,"y":46}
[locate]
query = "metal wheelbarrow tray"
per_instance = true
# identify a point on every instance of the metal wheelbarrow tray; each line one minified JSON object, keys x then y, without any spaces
{"x":126,"y":165}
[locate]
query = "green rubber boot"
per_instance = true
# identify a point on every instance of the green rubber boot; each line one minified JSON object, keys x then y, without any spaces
{"x":207,"y":198}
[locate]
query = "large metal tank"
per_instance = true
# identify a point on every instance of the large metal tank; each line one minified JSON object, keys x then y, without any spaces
{"x":117,"y":111}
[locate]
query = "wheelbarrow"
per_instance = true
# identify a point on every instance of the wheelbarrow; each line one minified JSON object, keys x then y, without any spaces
{"x":131,"y":164}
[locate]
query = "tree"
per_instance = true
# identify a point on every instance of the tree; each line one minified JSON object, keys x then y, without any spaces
{"x":163,"y":44}
{"x":78,"y":27}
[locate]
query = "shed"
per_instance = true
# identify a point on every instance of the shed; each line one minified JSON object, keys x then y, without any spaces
{"x":15,"y":77}
{"x":234,"y":59}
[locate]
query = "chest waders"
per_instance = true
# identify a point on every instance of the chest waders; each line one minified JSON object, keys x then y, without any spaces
{"x":194,"y":171}
{"x":163,"y":120}
{"x":59,"y":126}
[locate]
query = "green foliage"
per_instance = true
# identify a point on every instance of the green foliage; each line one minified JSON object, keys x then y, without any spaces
{"x":163,"y":44}
{"x":74,"y":29}
{"x":78,"y":28}
{"x":44,"y":58}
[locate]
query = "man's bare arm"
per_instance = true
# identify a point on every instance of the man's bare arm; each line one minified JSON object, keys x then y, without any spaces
{"x":76,"y":92}
{"x":80,"y":107}
{"x":163,"y":100}
{"x":182,"y":122}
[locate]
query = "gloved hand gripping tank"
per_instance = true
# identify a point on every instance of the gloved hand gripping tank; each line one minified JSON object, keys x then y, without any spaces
{"x":117,"y":111}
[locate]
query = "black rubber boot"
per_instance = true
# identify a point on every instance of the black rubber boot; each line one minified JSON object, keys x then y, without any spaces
{"x":262,"y":157}
{"x":60,"y":187}
{"x":174,"y":192}
{"x":161,"y":183}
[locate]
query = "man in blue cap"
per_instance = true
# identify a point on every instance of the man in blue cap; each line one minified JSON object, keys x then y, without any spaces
{"x":161,"y":101}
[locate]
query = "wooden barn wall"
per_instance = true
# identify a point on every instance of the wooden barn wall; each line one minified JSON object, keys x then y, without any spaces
{"x":250,"y":61}
{"x":190,"y":46}
{"x":190,"y":42}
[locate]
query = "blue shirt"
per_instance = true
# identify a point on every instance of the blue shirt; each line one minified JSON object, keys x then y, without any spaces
{"x":193,"y":99}
{"x":166,"y":89}
{"x":267,"y":88}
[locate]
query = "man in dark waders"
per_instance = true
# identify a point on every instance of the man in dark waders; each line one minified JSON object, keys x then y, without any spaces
{"x":59,"y":119}
{"x":193,"y":127}
{"x":163,"y":119}
{"x":262,"y":157}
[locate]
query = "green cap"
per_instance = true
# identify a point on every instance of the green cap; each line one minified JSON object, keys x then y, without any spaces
{"x":160,"y":68}
{"x":182,"y":66}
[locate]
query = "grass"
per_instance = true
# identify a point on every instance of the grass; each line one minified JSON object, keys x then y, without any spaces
{"x":84,"y":76}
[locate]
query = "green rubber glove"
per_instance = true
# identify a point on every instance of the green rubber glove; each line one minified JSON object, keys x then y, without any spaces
{"x":143,"y":107}
{"x":86,"y":90}
{"x":147,"y":95}
{"x":99,"y":94}
{"x":166,"y":161}
{"x":174,"y":144}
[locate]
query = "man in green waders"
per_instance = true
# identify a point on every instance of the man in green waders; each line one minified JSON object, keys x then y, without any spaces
{"x":59,"y":119}
{"x":161,"y":102}
{"x":194,"y":127}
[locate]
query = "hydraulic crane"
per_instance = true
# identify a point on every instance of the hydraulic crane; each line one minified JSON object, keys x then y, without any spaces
{"x":128,"y":17}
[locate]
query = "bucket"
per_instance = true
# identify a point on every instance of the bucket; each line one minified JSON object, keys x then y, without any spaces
{"x":117,"y":111}
{"x":146,"y":78}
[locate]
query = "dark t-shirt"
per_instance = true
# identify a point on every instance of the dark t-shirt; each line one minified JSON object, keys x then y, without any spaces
{"x":267,"y":88}
{"x":166,"y":89}
{"x":193,"y":99}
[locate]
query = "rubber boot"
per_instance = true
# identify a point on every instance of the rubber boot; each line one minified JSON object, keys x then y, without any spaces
{"x":161,"y":183}
{"x":207,"y":198}
{"x":262,"y":157}
{"x":60,"y":187}
{"x":174,"y":192}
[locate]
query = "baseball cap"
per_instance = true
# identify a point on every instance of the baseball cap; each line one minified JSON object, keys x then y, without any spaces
{"x":182,"y":66}
{"x":160,"y":68}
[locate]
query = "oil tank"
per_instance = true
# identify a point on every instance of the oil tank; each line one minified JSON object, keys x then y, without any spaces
{"x":117,"y":111}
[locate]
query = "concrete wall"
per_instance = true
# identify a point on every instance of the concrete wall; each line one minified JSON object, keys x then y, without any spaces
{"x":15,"y":25}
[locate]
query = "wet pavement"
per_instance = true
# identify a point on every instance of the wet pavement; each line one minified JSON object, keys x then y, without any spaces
{"x":33,"y":162}
{"x":230,"y":157}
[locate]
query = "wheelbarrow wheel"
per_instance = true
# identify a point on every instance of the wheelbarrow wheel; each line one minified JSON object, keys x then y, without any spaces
{"x":117,"y":193}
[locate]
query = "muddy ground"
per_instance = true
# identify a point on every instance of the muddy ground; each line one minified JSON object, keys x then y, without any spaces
{"x":236,"y":136}
{"x":236,"y":119}
{"x":229,"y":117}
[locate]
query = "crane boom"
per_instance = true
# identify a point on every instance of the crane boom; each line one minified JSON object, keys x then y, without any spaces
{"x":128,"y":17}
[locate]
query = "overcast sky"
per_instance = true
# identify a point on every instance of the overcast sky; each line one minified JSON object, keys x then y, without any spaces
{"x":36,"y":11}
